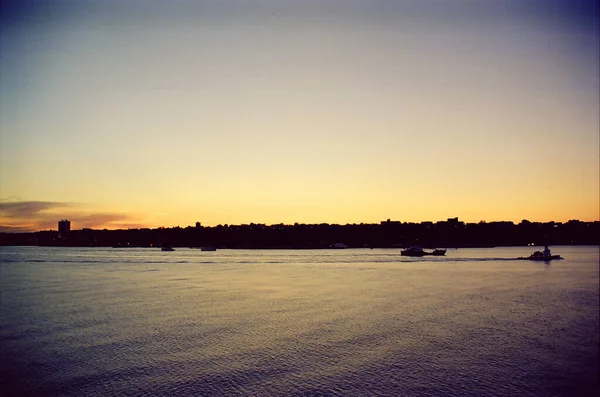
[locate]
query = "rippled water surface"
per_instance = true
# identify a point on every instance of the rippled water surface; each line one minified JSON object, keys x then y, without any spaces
{"x":135,"y":322}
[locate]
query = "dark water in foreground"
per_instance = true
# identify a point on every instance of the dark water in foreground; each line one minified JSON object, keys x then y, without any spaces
{"x":85,"y":322}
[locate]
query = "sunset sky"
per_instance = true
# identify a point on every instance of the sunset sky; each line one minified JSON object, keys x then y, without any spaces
{"x":150,"y":113}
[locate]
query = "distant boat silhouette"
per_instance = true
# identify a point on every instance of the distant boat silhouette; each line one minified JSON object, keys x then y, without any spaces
{"x":208,"y":249}
{"x":413,"y":251}
{"x":544,"y":255}
{"x":418,"y":251}
{"x":167,"y":248}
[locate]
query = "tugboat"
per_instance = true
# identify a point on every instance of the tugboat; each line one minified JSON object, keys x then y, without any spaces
{"x":413,"y":251}
{"x":544,"y":255}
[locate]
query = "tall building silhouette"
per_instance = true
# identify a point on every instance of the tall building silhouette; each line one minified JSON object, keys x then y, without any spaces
{"x":64,"y":227}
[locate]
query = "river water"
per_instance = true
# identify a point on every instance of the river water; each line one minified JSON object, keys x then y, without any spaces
{"x":141,"y":322}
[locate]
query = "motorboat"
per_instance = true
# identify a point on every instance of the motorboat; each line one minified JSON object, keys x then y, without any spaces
{"x":544,"y":255}
{"x":418,"y":251}
{"x":413,"y":251}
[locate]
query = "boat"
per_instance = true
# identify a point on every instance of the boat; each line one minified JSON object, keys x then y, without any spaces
{"x":413,"y":251}
{"x":208,"y":249}
{"x":418,"y":251}
{"x":544,"y":255}
{"x":167,"y":248}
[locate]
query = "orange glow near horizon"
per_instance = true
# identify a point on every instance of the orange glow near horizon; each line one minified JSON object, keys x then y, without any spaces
{"x":80,"y":219}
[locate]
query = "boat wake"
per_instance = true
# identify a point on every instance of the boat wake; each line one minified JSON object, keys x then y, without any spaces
{"x":246,"y":260}
{"x":446,"y":259}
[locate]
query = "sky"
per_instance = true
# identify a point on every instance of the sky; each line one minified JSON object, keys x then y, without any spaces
{"x":165,"y":113}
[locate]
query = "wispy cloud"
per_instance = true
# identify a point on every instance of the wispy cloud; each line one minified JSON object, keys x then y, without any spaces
{"x":14,"y":229}
{"x":28,"y":216}
{"x":25,"y":209}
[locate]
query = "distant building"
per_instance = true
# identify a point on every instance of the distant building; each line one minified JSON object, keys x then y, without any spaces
{"x":64,"y":227}
{"x":455,"y":222}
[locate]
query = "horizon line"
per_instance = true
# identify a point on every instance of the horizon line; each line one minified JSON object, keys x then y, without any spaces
{"x":455,"y":219}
